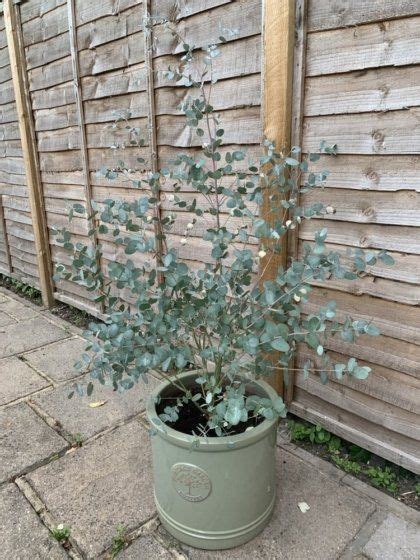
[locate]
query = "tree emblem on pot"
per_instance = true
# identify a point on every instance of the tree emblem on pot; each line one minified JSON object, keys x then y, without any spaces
{"x":165,"y":312}
{"x":191,"y":483}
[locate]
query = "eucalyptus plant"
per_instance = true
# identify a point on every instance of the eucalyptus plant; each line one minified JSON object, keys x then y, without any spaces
{"x":227,"y":317}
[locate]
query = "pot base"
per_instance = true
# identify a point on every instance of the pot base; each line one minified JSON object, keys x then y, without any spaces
{"x":215,"y":540}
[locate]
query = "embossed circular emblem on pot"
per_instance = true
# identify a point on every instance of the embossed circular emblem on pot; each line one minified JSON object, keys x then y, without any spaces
{"x":191,"y":483}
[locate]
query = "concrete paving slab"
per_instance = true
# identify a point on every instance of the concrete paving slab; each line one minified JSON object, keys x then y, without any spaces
{"x":76,"y":416}
{"x":18,"y":380}
{"x":106,"y":482}
{"x":394,"y":539}
{"x":322,"y":533}
{"x":20,"y":311}
{"x":145,"y":548}
{"x":6,"y":320}
{"x":57,"y":360}
{"x":25,"y":440}
{"x":23,"y":536}
{"x":28,"y":335}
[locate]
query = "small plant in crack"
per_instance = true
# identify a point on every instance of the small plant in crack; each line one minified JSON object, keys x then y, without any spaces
{"x":119,"y":541}
{"x":61,"y":532}
{"x":78,"y":440}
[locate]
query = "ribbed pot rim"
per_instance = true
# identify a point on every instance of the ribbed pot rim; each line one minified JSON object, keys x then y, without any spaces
{"x":203,"y":444}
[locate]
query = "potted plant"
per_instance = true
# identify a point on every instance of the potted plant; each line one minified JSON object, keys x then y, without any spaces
{"x":214,"y":331}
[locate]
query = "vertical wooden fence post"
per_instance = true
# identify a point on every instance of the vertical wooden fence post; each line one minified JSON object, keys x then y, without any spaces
{"x":28,"y":141}
{"x":278,"y":41}
{"x":296,"y":134}
{"x":152,"y":138}
{"x":74,"y":52}
{"x":6,"y":244}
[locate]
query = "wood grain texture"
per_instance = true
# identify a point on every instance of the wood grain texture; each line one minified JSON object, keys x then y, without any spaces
{"x":377,"y":89}
{"x":331,"y":14}
{"x":394,"y":208}
{"x":389,"y":43}
{"x":394,"y":132}
{"x":397,"y":448}
{"x":27,"y":135}
{"x":278,"y":41}
{"x":376,"y":411}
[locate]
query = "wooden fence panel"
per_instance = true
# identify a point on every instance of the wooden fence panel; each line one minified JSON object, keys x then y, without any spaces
{"x":361,"y":92}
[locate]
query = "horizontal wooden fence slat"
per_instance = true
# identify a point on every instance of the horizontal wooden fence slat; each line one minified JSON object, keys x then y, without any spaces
{"x":394,"y":132}
{"x":389,"y":43}
{"x":331,"y":14}
{"x":404,"y":239}
{"x":395,"y":447}
{"x":393,"y":208}
{"x":371,"y":172}
{"x":377,"y":89}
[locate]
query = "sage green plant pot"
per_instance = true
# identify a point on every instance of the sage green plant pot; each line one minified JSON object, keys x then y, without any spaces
{"x":213,"y":493}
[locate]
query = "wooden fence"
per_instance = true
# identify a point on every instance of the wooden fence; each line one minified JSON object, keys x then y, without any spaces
{"x":353,"y":79}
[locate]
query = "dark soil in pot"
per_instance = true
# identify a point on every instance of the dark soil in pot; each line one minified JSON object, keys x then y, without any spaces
{"x":191,"y":420}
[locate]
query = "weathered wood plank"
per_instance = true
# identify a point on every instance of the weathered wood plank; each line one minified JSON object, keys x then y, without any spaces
{"x":243,"y":15}
{"x":6,"y":92}
{"x":390,"y":290}
{"x":389,"y":43}
{"x":54,"y":21}
{"x":237,"y":92}
{"x":89,"y":36}
{"x":59,"y":140}
{"x":331,"y":14}
{"x":58,"y":117}
{"x":399,"y":449}
{"x":12,"y":165}
{"x":405,"y":269}
{"x":393,"y":238}
{"x":12,"y":148}
{"x":14,"y":180}
{"x":379,"y":89}
{"x":8,"y":113}
{"x":393,"y":319}
{"x":62,"y":94}
{"x":384,"y":414}
{"x":240,"y":126}
{"x":27,"y":135}
{"x":52,"y":74}
{"x":237,"y":58}
{"x":396,"y":132}
{"x":47,"y":51}
{"x":183,"y":8}
{"x":383,"y":383}
{"x":371,"y":172}
{"x":5,"y":74}
{"x":121,"y":53}
{"x":60,"y":161}
{"x":401,"y":208}
{"x":36,"y":9}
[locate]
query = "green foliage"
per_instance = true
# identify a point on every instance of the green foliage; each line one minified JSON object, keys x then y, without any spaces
{"x":78,"y":440}
{"x":61,"y":532}
{"x":119,"y":540}
{"x":314,"y":434}
{"x":359,"y":454}
{"x":417,"y":488}
{"x":224,"y":316}
{"x":383,"y":478}
{"x":20,"y":287}
{"x":347,"y":465}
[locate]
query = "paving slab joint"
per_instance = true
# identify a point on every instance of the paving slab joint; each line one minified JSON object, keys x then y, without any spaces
{"x":45,"y":516}
{"x":170,"y":543}
{"x":145,"y":529}
{"x":53,"y":423}
{"x":355,"y":547}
